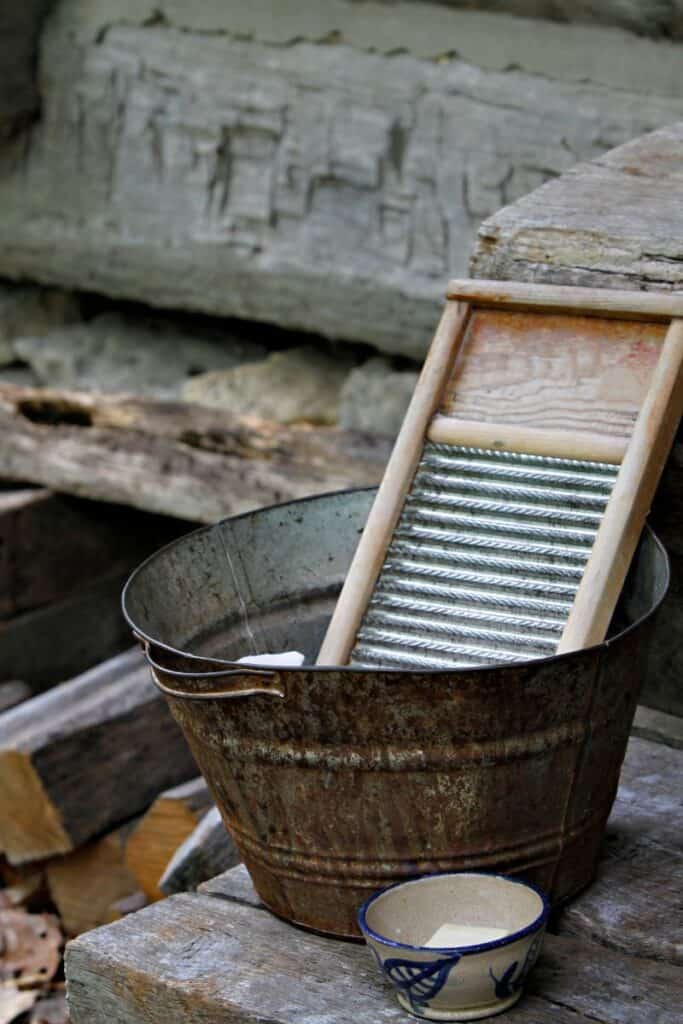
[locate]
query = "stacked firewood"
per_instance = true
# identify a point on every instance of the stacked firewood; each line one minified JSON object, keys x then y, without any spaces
{"x":101,"y":807}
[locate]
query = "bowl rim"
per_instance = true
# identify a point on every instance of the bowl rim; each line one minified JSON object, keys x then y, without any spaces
{"x":538,"y":922}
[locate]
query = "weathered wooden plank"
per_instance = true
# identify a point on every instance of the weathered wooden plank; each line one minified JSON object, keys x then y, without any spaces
{"x":200,"y":957}
{"x":50,"y":544}
{"x":167,"y":824}
{"x":658,"y":727}
{"x":182,"y":460}
{"x":47,"y":646}
{"x":208,"y":851}
{"x":234,"y":884}
{"x":634,"y":903}
{"x":613,"y":223}
{"x":84,"y":757}
{"x":252,"y":176}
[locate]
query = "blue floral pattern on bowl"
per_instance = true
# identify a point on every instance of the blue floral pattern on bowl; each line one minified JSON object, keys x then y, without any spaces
{"x":419,"y":983}
{"x":512,"y":980}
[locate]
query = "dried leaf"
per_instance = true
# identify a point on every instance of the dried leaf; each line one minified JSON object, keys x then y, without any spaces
{"x":13,"y":1003}
{"x":30,"y":947}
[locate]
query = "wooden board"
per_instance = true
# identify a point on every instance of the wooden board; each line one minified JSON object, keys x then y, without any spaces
{"x":91,"y":753}
{"x":553,"y":371}
{"x":75,"y":634}
{"x":219,"y":955}
{"x":516,"y":371}
{"x":634,"y":904}
{"x":177,"y":459}
{"x":50,"y":544}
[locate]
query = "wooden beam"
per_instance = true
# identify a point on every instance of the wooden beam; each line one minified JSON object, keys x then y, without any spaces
{"x":510,"y":438}
{"x":174,"y":458}
{"x":51,"y":543}
{"x":585,"y":301}
{"x":171,"y":819}
{"x":75,"y":633}
{"x":634,"y":904}
{"x":70,"y":759}
{"x":199,"y":952}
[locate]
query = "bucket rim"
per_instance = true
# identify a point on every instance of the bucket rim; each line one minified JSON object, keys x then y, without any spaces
{"x":246,"y":668}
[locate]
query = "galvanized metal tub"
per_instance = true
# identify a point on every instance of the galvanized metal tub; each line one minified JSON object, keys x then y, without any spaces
{"x":335,"y":781}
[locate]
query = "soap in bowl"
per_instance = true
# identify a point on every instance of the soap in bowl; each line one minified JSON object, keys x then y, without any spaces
{"x":456,"y":946}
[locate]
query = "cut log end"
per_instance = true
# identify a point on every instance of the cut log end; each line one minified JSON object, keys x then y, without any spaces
{"x":30,"y":825}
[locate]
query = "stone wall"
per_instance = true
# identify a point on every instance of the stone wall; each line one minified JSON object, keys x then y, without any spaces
{"x":319,"y":165}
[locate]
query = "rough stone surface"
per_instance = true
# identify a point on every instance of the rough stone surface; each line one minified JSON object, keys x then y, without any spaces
{"x":25,"y":310}
{"x":304,"y":183}
{"x":375,"y":397}
{"x":115,"y":353}
{"x":287,"y":387}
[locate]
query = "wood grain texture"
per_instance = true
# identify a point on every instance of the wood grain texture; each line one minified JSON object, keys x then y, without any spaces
{"x":386,"y":508}
{"x":234,"y":884}
{"x":219,"y":956}
{"x":564,"y":444}
{"x":250,"y":178}
{"x":75,"y":634}
{"x":177,"y":459}
{"x":50,"y":544}
{"x":560,"y":372}
{"x":634,"y":904}
{"x":613,"y":223}
{"x":87,"y":755}
{"x":208,"y":851}
{"x":171,"y":819}
{"x":532,"y":296}
{"x":216,"y":960}
{"x":631,"y":498}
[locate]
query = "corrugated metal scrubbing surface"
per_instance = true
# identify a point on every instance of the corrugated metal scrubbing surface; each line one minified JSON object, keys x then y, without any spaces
{"x":485,"y":561}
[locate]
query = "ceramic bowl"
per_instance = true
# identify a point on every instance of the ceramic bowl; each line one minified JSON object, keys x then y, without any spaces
{"x":481,"y":972}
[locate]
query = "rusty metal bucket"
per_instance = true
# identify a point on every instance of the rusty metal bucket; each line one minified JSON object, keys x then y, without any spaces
{"x":336,"y":781}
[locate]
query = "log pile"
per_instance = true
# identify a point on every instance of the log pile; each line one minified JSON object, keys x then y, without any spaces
{"x":101,"y":809}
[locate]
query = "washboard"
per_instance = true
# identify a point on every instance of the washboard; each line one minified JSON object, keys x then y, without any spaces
{"x":520,"y":481}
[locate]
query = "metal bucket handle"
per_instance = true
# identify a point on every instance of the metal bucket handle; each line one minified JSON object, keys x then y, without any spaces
{"x":274,"y":688}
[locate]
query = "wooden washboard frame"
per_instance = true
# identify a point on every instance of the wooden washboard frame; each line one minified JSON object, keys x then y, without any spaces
{"x":557,"y":373}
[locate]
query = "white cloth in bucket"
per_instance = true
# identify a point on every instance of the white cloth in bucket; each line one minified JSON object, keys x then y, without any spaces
{"x":287,"y":659}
